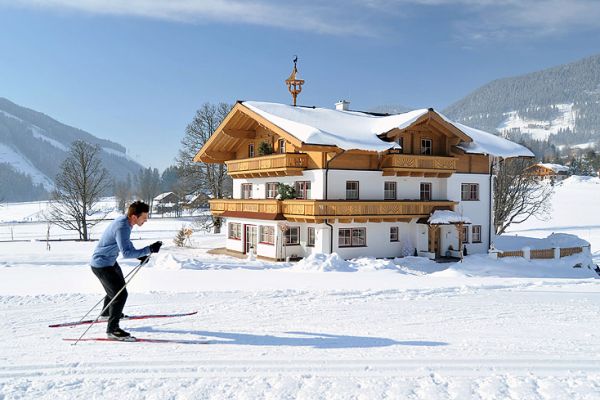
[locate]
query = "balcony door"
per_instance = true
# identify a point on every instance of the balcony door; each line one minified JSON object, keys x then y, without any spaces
{"x":250,"y":238}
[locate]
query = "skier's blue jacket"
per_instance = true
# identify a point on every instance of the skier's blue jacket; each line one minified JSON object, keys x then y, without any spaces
{"x":114,"y":239}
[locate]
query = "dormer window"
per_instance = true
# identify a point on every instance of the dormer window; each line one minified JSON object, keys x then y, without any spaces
{"x":426,"y":147}
{"x":250,"y":150}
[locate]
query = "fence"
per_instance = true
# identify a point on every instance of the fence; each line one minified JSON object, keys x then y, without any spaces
{"x":547,"y":254}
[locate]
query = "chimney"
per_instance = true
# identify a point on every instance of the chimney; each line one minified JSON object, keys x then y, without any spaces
{"x":342,"y":105}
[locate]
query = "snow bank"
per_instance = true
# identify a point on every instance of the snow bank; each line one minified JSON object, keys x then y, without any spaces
{"x":516,"y":242}
{"x":322,"y":263}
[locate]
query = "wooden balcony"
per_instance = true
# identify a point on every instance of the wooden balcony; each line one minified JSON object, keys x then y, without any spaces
{"x":287,"y":164}
{"x":318,"y":211}
{"x":418,"y":165}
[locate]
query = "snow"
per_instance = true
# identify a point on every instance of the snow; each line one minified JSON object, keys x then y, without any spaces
{"x":540,"y":130}
{"x":162,"y":196}
{"x":21,"y":164}
{"x":487,"y":143}
{"x":323,"y":327}
{"x":445,"y":217}
{"x":554,"y":167}
{"x":356,"y":130}
{"x":40,"y":133}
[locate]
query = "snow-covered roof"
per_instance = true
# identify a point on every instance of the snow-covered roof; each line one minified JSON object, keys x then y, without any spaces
{"x":446,"y":217}
{"x":554,"y":167}
{"x":487,"y":143}
{"x":354,"y":130}
{"x":162,"y":196}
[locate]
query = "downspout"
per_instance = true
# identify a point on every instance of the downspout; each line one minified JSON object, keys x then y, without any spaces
{"x":491,"y":220}
{"x":326,"y":198}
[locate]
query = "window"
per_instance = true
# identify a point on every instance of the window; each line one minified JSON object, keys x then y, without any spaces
{"x":281,"y":143}
{"x":351,"y":190}
{"x":425,"y":191}
{"x":250,"y":150}
{"x":291,"y":237}
{"x":311,"y":237}
{"x":393,"y":234}
{"x":464,"y":234}
{"x":426,"y":146}
{"x":246,"y":190}
{"x":303,"y":190}
{"x":352,"y":237}
{"x":234,"y":231}
{"x":470,"y":191}
{"x":400,"y":142}
{"x":267,"y":234}
{"x":272,"y":190}
{"x":476,"y":229}
{"x":389,"y":190}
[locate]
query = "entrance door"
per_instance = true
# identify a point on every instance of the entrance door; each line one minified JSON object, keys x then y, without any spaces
{"x":250,"y":239}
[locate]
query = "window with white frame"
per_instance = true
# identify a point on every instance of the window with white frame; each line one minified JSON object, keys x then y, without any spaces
{"x":246,"y":190}
{"x":250,"y":150}
{"x":425,"y":191}
{"x":352,"y":237}
{"x":389,"y":190}
{"x":272,"y":190}
{"x":291,"y":236}
{"x":469,"y":192}
{"x":310,"y":241}
{"x":302,"y":190}
{"x":476,"y":233}
{"x":267,"y":234}
{"x":464,"y":235}
{"x":281,"y":143}
{"x":351,"y":190}
{"x":426,"y":146}
{"x":393,"y":233}
{"x":234,"y":231}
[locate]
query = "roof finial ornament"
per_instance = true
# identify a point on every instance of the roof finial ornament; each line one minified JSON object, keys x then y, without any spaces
{"x":294,"y":83}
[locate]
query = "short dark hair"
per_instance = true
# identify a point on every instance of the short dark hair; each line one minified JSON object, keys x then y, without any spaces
{"x":137,"y":208}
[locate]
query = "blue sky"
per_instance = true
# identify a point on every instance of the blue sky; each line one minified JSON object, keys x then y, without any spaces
{"x":135,"y":71}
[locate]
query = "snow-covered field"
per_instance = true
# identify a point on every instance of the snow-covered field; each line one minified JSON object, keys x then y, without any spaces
{"x":323,"y":328}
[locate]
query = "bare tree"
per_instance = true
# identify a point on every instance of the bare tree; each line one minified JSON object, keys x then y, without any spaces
{"x":79,"y":185}
{"x":518,"y":195}
{"x":210,"y":179}
{"x":123,"y":193}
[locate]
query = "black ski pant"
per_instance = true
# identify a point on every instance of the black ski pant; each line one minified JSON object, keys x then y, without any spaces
{"x":112,"y":280}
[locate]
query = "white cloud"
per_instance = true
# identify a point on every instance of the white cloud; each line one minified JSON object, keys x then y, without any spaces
{"x":474,"y":20}
{"x":304,"y":16}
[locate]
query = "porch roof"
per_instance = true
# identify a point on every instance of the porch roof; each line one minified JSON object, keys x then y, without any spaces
{"x":447,"y":217}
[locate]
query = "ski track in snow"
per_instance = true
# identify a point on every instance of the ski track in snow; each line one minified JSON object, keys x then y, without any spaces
{"x":306,"y":344}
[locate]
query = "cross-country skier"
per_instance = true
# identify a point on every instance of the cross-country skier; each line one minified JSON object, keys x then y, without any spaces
{"x":104,"y":264}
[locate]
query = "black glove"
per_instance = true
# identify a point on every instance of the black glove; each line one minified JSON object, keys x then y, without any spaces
{"x":155,"y":247}
{"x":143,"y":259}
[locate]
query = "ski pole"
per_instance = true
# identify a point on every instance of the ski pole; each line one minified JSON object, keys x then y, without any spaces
{"x":101,"y":300}
{"x":132,"y":273}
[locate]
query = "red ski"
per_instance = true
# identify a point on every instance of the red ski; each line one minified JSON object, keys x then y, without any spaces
{"x":142,"y":340}
{"x":131,"y":317}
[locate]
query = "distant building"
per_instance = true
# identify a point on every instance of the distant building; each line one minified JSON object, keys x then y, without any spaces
{"x":165,"y":202}
{"x":547,"y":171}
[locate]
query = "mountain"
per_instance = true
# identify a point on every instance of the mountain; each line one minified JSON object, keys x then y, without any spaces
{"x":32,"y":147}
{"x":560,"y":104}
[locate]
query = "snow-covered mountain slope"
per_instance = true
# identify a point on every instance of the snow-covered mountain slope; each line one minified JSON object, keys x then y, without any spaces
{"x":540,"y":129}
{"x":35,"y":144}
{"x":22,"y":164}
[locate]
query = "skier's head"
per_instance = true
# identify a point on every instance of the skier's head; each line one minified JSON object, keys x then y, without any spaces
{"x":138,"y":213}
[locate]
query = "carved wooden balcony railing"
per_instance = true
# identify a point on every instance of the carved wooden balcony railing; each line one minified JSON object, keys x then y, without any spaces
{"x":288,"y":164}
{"x":418,"y":165}
{"x":320,"y":210}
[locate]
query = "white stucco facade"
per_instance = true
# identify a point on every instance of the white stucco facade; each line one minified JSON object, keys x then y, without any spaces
{"x":412,"y":236}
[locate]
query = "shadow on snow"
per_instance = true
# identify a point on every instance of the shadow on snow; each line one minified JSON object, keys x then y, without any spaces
{"x":303,"y":339}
